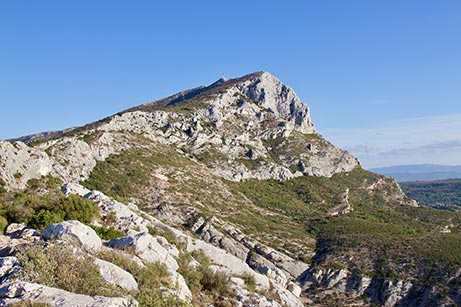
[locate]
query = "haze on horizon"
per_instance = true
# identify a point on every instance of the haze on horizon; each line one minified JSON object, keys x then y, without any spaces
{"x":381,"y":78}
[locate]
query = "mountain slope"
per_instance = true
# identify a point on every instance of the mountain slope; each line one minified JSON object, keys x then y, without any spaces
{"x":237,"y":170}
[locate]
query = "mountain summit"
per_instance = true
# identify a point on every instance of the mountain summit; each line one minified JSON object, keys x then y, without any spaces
{"x":221,"y":195}
{"x":254,"y":126}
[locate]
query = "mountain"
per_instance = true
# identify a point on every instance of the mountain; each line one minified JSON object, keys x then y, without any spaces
{"x":420,"y":172}
{"x":222,"y":195}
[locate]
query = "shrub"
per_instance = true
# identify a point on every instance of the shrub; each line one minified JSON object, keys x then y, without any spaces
{"x":33,"y":183}
{"x":43,"y":218}
{"x":40,"y":211}
{"x":250,"y":282}
{"x":55,"y":266}
{"x":217,"y":283}
{"x":3,"y":224}
{"x":75,"y":207}
{"x":108,"y":233}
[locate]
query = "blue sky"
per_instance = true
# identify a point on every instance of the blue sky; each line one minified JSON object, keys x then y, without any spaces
{"x":382,"y":78}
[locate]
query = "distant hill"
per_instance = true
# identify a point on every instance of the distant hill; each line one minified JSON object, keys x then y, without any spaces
{"x":420,"y":172}
{"x":441,"y":194}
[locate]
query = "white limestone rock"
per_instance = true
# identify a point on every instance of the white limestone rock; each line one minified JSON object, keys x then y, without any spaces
{"x":36,"y":293}
{"x":19,"y":163}
{"x":394,"y":292}
{"x":146,"y":247}
{"x":21,"y":231}
{"x":226,"y":262}
{"x":8,"y":265}
{"x":76,"y":233}
{"x":116,"y":275}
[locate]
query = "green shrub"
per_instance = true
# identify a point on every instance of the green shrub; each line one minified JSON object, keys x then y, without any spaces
{"x":41,"y":219}
{"x":33,"y":183}
{"x":250,"y":282}
{"x":108,"y":233}
{"x":216,"y":283}
{"x":40,"y":211}
{"x":3,"y":224}
{"x":55,"y":266}
{"x":75,"y":207}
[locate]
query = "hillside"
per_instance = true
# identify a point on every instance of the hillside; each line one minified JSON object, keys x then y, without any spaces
{"x":222,"y":195}
{"x":442,"y":194}
{"x":419,"y":172}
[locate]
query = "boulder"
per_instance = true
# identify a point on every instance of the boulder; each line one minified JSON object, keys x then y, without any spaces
{"x":116,"y":275}
{"x":21,"y":231}
{"x":146,"y":247}
{"x":76,"y":233}
{"x":226,"y":262}
{"x":36,"y":293}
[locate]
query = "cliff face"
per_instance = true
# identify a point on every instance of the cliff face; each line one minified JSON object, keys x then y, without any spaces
{"x":229,"y":183}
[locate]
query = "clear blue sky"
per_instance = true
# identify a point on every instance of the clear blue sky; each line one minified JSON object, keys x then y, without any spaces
{"x":368,"y":69}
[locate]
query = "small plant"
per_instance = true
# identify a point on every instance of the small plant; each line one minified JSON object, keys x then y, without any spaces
{"x":250,"y":282}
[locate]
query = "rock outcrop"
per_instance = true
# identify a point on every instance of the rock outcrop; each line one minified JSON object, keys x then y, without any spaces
{"x":76,"y":233}
{"x":22,"y":291}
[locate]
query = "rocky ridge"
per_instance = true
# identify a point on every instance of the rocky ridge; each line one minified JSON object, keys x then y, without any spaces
{"x":233,"y":173}
{"x":241,"y":119}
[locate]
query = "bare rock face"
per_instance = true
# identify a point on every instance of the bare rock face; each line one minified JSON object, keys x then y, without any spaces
{"x":19,"y":163}
{"x":75,"y":233}
{"x":20,"y":291}
{"x":280,"y":99}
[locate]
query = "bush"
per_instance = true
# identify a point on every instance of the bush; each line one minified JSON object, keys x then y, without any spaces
{"x":55,"y":266}
{"x":33,"y":183}
{"x":75,"y":207}
{"x":250,"y":282}
{"x":215,"y":284}
{"x":40,"y":211}
{"x":3,"y":224}
{"x":108,"y":233}
{"x":43,"y":218}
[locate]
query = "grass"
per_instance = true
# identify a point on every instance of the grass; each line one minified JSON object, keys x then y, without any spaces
{"x":120,"y":175}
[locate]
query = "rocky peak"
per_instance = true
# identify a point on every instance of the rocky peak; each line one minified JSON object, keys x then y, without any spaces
{"x":272,"y":94}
